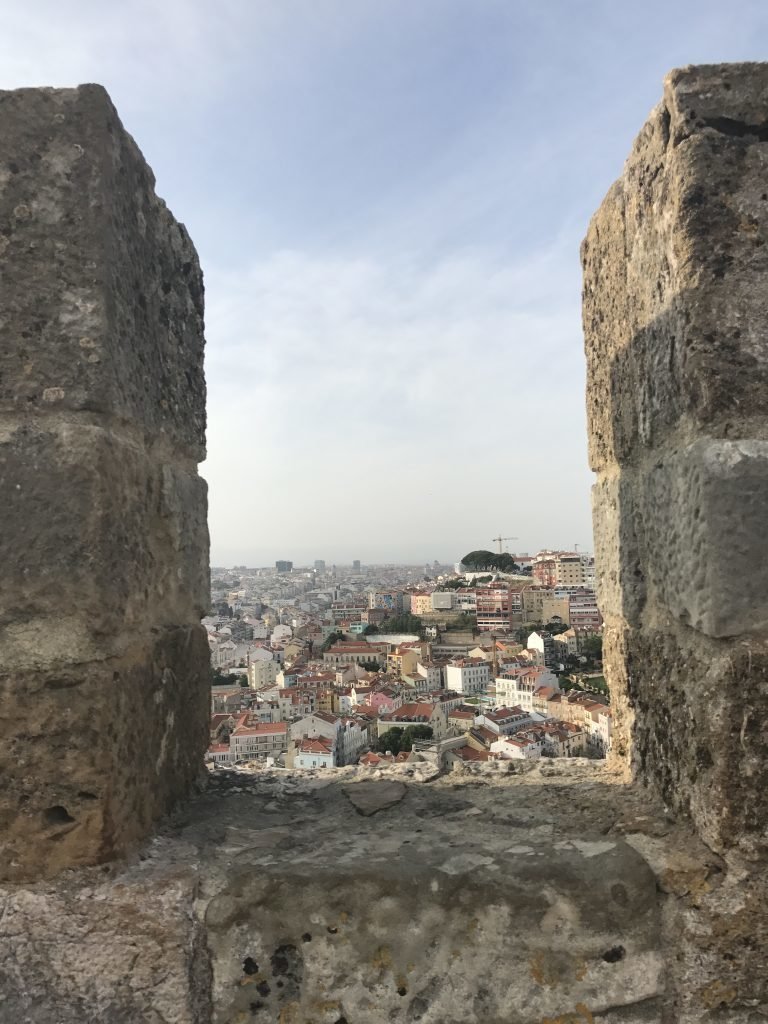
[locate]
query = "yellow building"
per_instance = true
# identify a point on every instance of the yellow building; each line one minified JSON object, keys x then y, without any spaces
{"x":421,"y":604}
{"x":403,"y":661}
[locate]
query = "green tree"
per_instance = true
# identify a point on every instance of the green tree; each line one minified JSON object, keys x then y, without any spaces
{"x":371,"y":665}
{"x":555,"y":628}
{"x":415,"y":732}
{"x":506,"y":563}
{"x":332,"y":639}
{"x":370,"y":629}
{"x":592,"y":647}
{"x":479,"y":560}
{"x":219,"y":678}
{"x":398,"y":738}
{"x":390,"y":740}
{"x":404,"y":623}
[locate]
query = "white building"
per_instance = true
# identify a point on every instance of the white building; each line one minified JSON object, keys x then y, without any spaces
{"x":598,"y":725}
{"x":319,"y":752}
{"x":220,"y":753}
{"x":351,"y":737}
{"x":505,"y":721}
{"x":223,"y":652}
{"x":544,"y":647}
{"x":432,"y":673}
{"x":252,"y":739}
{"x":517,"y":748}
{"x":518,"y":686}
{"x":468,"y":676}
{"x":262,"y":670}
{"x":319,"y":723}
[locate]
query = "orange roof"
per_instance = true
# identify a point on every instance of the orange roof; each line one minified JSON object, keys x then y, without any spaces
{"x":258,"y":728}
{"x":470,"y":754}
{"x":372,"y":760}
{"x":318,"y":745}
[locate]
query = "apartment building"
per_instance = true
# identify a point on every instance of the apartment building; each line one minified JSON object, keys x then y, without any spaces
{"x":251,"y":739}
{"x":421,"y":604}
{"x":499,"y":607}
{"x":467,"y":676}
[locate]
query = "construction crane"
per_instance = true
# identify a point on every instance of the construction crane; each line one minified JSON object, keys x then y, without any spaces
{"x":500,"y":541}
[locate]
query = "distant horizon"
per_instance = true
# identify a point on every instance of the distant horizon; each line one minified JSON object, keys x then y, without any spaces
{"x":309,"y":564}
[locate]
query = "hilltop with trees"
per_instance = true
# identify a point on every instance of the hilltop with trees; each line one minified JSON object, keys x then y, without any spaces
{"x":482,"y":561}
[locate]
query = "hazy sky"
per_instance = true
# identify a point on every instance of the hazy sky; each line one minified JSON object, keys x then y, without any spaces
{"x":388,"y":198}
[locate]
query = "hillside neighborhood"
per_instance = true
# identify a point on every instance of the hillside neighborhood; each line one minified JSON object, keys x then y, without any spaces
{"x":322,"y":668}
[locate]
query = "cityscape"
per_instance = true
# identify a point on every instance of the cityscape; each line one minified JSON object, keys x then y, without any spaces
{"x":496,"y":657}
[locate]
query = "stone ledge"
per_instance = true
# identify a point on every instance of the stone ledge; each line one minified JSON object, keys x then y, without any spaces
{"x":511,"y":894}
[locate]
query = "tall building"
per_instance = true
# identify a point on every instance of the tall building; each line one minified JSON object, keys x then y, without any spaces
{"x":283,"y":566}
{"x":356,"y":565}
{"x":319,"y":565}
{"x":584,"y":615}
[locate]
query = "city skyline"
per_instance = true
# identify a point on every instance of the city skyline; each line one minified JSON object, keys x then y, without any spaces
{"x":388,"y":201}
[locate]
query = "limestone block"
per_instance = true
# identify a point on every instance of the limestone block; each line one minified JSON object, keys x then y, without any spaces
{"x":105,"y":669}
{"x":675,"y":261}
{"x":91,"y":755}
{"x":106,"y":540}
{"x":102,"y":290}
{"x":704,"y":511}
{"x":126,"y":953}
{"x":616,"y":669}
{"x":404,"y":926}
{"x":699,"y":734}
{"x":618,"y":563}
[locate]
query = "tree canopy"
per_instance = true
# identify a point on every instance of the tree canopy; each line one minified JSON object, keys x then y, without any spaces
{"x":592,"y":647}
{"x":398,"y":738}
{"x":331,"y":639}
{"x":404,"y":623}
{"x":482,"y":560}
{"x":556,"y":628}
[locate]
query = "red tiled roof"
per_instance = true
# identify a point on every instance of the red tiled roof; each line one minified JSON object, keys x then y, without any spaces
{"x":470,"y":754}
{"x":318,"y":745}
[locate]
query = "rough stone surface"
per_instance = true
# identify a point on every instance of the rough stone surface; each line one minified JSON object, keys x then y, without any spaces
{"x":369,"y":797}
{"x":675,"y":299}
{"x":550,"y":894}
{"x":103,"y":663}
{"x":114,"y":324}
{"x":674,"y":273}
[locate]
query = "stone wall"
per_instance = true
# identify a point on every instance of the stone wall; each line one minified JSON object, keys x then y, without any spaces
{"x":103,"y":663}
{"x":676,"y":326}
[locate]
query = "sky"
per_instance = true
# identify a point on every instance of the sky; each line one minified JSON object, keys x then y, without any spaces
{"x":387,"y":197}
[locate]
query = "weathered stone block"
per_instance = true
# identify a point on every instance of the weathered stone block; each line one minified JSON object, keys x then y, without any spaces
{"x":107,"y":542}
{"x":91,"y":755}
{"x":675,"y":299}
{"x":104,"y":543}
{"x":704,"y":520}
{"x":133,"y":953}
{"x":675,"y":272}
{"x":699,"y":733}
{"x":618,"y":562}
{"x":113,"y":323}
